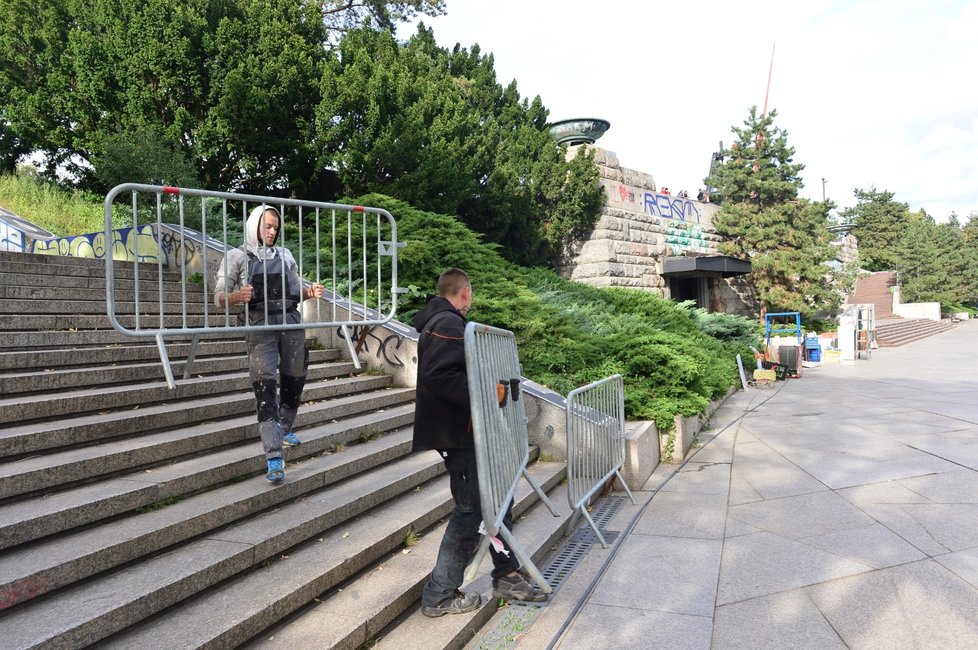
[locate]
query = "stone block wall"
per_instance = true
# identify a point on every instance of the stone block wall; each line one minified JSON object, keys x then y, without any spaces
{"x":637,"y":228}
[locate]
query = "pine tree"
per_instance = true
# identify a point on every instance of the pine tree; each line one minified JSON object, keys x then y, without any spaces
{"x":762,"y":219}
{"x":878,"y":224}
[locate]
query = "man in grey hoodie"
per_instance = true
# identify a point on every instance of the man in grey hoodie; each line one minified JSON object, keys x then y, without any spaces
{"x":260,"y":282}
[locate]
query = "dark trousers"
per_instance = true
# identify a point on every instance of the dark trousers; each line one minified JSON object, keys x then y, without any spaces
{"x":462,"y":538}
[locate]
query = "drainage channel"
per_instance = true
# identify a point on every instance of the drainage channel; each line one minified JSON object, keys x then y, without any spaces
{"x":518,"y":617}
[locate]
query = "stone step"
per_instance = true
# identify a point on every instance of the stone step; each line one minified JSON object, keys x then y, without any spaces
{"x":58,"y":379}
{"x":90,"y":611}
{"x":24,"y":521}
{"x":93,"y":282}
{"x":89,"y":428}
{"x":85,"y":357}
{"x":389,"y":581}
{"x":62,"y":321}
{"x":31,"y":340}
{"x":68,"y":558}
{"x":57,"y":468}
{"x":148,"y":306}
{"x":29,"y":265}
{"x":896,"y":334}
{"x":44,"y":406}
{"x":37,"y":295}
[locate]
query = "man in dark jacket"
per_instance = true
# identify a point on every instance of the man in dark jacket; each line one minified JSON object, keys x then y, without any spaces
{"x":443,"y":421}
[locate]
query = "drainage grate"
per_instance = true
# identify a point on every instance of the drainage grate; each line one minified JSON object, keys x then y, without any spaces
{"x":581,"y":541}
{"x":518,"y":617}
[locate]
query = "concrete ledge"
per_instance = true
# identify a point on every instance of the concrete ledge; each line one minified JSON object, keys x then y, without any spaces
{"x":642,"y":453}
{"x":686,"y":428}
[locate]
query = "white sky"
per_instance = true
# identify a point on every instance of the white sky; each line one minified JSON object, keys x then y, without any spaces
{"x":871,"y":92}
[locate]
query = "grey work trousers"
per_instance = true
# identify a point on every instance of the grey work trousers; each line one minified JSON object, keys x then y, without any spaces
{"x":277,"y":363}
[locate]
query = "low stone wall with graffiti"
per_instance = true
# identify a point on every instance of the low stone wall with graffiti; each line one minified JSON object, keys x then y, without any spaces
{"x":637,"y":228}
{"x":145,"y":243}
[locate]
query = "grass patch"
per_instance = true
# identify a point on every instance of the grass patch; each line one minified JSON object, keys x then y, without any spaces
{"x":62,"y":212}
{"x":369,"y":434}
{"x":411,"y":538}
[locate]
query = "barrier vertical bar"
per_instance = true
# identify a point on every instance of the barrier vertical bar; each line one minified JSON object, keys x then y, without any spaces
{"x":595,"y":444}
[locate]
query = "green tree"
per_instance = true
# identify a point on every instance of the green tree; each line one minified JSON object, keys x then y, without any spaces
{"x":233,"y":84}
{"x":343,"y":15}
{"x":879,"y":222}
{"x":762,"y":219}
{"x":434,"y":128}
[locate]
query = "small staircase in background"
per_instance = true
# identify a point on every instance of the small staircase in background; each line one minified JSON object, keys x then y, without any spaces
{"x":136,"y":516}
{"x":875,"y":290}
{"x":894,"y":333}
{"x":892,"y":330}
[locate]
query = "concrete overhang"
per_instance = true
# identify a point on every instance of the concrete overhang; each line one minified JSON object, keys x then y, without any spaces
{"x":704,"y":266}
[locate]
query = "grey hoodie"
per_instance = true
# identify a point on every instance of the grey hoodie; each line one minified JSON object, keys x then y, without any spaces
{"x":232,"y":272}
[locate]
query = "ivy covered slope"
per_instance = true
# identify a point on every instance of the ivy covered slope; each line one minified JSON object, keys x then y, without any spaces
{"x":570,"y":334}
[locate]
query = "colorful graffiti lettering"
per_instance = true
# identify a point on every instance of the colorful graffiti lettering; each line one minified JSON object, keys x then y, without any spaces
{"x":128,"y":244}
{"x":681,"y":238}
{"x":671,"y":207}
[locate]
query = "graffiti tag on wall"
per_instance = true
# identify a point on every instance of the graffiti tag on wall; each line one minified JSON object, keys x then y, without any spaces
{"x":681,"y":238}
{"x":128,"y":244}
{"x":654,"y":204}
{"x":15,"y":231}
{"x":671,"y":207}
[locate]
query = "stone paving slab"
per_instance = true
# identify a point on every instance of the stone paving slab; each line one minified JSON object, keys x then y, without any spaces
{"x":801,"y":516}
{"x":674,"y":514}
{"x":918,"y":605}
{"x":662,"y":574}
{"x":788,"y":619}
{"x":603,"y":626}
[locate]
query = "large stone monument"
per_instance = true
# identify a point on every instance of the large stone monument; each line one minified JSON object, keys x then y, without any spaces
{"x":650,"y":240}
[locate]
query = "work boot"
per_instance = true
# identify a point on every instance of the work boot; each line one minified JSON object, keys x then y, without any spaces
{"x":460,"y":603}
{"x":516,"y":587}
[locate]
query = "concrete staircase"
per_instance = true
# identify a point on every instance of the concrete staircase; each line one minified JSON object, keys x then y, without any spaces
{"x":135,"y":516}
{"x":899,"y":332}
{"x":875,"y":289}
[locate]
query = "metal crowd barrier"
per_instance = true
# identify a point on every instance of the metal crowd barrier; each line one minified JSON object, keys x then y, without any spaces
{"x":499,"y":429}
{"x":354,"y":247}
{"x":595,"y":444}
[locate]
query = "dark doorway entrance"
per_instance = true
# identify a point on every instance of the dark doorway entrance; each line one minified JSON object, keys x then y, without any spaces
{"x":681,"y":289}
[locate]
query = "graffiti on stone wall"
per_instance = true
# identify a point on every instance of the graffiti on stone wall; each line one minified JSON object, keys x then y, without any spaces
{"x":15,"y":232}
{"x":681,"y":238}
{"x":387,"y":347}
{"x":128,"y":244}
{"x":11,"y":239}
{"x":654,"y":204}
{"x":671,"y":207}
{"x":186,"y":249}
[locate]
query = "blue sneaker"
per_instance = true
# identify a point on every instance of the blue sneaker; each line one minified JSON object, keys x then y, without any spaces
{"x":276,"y":470}
{"x":291,"y":440}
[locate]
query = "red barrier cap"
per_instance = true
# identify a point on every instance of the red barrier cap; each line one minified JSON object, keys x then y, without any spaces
{"x":170,"y":190}
{"x":358,"y":208}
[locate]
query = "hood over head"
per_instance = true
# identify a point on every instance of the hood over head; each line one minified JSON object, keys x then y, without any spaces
{"x":253,"y":242}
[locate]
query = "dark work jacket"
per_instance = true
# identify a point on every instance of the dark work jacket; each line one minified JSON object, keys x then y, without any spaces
{"x":442,"y":417}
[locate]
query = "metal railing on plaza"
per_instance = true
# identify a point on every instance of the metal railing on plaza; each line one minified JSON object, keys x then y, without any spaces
{"x":501,"y":440}
{"x":352,"y":252}
{"x":595,"y":444}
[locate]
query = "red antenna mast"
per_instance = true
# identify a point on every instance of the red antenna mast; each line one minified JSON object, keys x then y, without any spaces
{"x":767,"y":92}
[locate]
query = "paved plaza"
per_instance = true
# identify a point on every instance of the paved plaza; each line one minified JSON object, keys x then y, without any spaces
{"x":839,"y":510}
